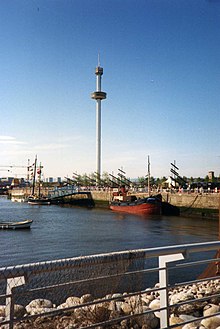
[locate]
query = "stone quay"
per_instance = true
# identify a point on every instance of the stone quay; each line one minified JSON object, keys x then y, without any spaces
{"x":193,"y":204}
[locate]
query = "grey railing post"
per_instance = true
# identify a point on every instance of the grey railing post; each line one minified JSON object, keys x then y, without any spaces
{"x":9,"y":309}
{"x":163,"y":280}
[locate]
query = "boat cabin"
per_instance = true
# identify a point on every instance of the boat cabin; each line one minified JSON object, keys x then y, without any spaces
{"x":124,"y":197}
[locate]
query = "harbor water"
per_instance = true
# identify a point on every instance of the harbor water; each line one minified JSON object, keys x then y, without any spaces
{"x":64,"y":231}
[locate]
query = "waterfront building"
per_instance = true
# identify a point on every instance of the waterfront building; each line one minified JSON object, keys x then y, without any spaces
{"x":211,"y":175}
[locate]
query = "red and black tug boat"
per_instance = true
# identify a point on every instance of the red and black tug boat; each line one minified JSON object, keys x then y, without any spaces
{"x":124,"y":202}
{"x":153,"y":205}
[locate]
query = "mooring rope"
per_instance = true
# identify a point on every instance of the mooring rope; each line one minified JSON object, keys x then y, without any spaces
{"x":189,"y":207}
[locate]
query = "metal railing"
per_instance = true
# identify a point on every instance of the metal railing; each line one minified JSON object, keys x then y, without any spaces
{"x":110,"y":290}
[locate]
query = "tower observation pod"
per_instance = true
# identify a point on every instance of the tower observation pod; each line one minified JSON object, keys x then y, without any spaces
{"x":98,"y":95}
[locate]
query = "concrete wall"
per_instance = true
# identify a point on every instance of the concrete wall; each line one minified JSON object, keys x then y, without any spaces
{"x":206,"y":201}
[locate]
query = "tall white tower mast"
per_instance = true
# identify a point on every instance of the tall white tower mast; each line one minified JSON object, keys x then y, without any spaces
{"x":98,"y":95}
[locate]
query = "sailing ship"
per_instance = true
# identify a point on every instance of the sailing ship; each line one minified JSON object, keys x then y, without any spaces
{"x":37,"y":199}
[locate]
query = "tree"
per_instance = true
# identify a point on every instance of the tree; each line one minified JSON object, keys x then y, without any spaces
{"x":206,"y":179}
{"x":141,"y":181}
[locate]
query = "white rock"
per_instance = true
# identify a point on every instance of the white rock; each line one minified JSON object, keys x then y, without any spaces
{"x":112,"y":306}
{"x":211,"y":323}
{"x":186,"y":317}
{"x":155,"y":304}
{"x":72,"y":301}
{"x":150,"y":297}
{"x":133,"y":301}
{"x":118,"y":296}
{"x":38,"y":306}
{"x":39,"y":310}
{"x":86,"y":298}
{"x":210,"y":309}
{"x":19,"y":311}
{"x":118,"y":305}
{"x":40,"y":303}
{"x":126,"y":308}
{"x":146,"y":319}
{"x":190,"y":326}
{"x":61,"y":306}
{"x":180,"y":297}
{"x":145,"y":300}
{"x":2,"y":310}
{"x":175,"y":320}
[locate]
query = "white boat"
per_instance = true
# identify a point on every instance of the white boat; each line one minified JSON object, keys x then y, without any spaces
{"x":17,"y":199}
{"x":16,"y":225}
{"x":38,"y":201}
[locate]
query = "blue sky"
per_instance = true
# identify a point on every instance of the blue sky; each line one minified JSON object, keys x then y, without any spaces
{"x":161,"y":74}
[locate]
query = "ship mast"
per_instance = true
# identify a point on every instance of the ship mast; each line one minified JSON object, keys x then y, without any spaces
{"x":39,"y":179}
{"x":148,"y":175}
{"x":34,"y":177}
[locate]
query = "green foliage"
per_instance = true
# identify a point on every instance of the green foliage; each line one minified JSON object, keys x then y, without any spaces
{"x":107,"y":181}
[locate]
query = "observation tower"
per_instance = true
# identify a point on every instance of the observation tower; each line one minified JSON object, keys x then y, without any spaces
{"x":98,"y":95}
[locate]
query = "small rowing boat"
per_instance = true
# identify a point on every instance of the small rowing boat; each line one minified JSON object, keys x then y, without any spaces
{"x":38,"y":201}
{"x":16,"y":225}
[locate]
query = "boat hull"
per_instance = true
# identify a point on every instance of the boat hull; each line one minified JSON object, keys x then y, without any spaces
{"x":26,"y":224}
{"x":39,"y":201}
{"x":139,"y":209}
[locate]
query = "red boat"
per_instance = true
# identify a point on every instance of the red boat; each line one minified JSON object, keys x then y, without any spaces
{"x":131,"y":204}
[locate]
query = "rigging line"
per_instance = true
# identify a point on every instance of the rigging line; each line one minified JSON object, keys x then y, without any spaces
{"x":189,"y":207}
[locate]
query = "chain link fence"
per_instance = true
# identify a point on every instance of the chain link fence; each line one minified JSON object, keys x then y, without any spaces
{"x":100,"y":291}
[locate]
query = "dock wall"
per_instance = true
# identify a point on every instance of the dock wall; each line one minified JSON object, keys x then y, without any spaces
{"x":193,"y":200}
{"x":206,"y":201}
{"x":183,"y":200}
